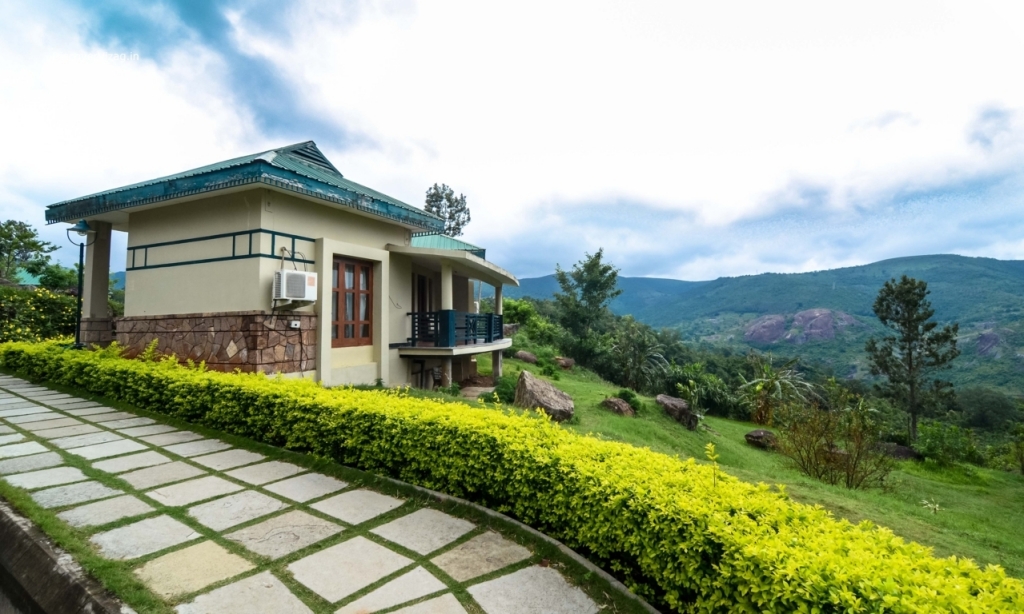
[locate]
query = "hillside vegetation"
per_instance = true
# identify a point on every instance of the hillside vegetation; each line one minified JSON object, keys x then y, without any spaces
{"x":826,"y":316}
{"x":981,"y":510}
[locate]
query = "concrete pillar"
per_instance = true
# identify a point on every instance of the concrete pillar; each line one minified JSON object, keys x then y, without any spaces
{"x":97,"y":326}
{"x":496,"y":357}
{"x":446,"y":372}
{"x":447,"y":294}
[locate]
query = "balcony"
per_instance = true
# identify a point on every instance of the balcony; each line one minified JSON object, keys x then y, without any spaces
{"x":449,"y":332}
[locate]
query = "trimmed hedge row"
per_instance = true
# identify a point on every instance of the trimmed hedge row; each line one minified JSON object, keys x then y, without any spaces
{"x":660,"y":523}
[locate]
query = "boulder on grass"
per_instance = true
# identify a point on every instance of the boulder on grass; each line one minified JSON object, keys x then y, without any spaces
{"x":525,"y":357}
{"x":618,"y":406}
{"x":901,"y":452}
{"x":761,"y":439}
{"x":679,"y":410}
{"x":565,"y":363}
{"x":532,"y":393}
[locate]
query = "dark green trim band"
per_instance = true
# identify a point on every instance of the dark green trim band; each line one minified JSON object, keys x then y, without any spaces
{"x":234,"y":254}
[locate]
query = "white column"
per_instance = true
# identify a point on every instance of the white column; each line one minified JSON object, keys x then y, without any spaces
{"x":324,"y":271}
{"x":496,"y":357}
{"x":447,"y":299}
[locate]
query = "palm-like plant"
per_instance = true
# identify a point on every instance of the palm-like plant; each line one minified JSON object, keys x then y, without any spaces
{"x":771,"y":388}
{"x":638,"y":356}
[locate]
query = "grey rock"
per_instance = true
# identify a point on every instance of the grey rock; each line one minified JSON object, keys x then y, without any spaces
{"x":761,"y":438}
{"x":525,"y":357}
{"x":532,"y":392}
{"x":618,"y":406}
{"x":679,"y":410}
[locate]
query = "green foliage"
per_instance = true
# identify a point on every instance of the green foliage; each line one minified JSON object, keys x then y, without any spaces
{"x":984,"y":408}
{"x":520,"y":312}
{"x":946,"y":444}
{"x":914,"y":352}
{"x":504,"y":391}
{"x":700,"y":389}
{"x":21,"y":247}
{"x":442,"y":202}
{"x":637,"y":356}
{"x":57,"y":278}
{"x":451,"y":390}
{"x":1017,"y":445}
{"x":666,"y":526}
{"x":771,"y":388}
{"x":35,"y":314}
{"x":582,"y":305}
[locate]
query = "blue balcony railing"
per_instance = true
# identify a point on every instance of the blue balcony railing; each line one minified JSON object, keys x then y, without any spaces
{"x":450,"y":328}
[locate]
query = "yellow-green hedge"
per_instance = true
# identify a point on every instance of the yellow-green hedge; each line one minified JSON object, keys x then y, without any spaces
{"x":658,"y":522}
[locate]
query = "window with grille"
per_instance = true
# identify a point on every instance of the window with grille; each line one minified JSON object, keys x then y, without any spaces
{"x":352,"y":309}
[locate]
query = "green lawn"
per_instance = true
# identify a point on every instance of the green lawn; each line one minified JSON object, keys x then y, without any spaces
{"x":981,"y":515}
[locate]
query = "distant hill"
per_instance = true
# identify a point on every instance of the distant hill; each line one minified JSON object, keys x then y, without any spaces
{"x":118,"y":280}
{"x":826,"y":316}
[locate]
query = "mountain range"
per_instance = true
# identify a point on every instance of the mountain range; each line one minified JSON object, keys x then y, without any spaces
{"x":826,"y":316}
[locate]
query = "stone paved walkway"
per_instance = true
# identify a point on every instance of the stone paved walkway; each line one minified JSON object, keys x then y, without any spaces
{"x":222,"y":530}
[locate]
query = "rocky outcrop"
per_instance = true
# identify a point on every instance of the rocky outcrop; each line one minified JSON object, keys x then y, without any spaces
{"x":988,"y":344}
{"x":766,"y":329}
{"x":618,"y":406}
{"x":525,"y":357}
{"x":679,"y":410}
{"x":761,"y":438}
{"x":534,"y":393}
{"x":565,"y":363}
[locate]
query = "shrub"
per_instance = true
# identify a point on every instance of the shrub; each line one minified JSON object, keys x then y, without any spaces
{"x":660,"y":523}
{"x":35,"y":315}
{"x":946,"y":444}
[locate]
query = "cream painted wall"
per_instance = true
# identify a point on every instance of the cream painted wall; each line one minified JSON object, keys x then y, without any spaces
{"x":400,"y":299}
{"x":294,"y":215}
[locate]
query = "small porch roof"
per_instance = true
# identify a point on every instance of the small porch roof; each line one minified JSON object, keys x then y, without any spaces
{"x":463,"y":262}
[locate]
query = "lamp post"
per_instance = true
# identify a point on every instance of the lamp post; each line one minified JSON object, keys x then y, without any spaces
{"x":81,"y":229}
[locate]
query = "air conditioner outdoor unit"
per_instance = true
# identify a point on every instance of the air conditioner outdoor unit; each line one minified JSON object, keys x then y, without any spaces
{"x":294,"y":286}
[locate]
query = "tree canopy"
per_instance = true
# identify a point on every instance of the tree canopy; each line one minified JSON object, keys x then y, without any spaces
{"x":582,"y":304}
{"x":442,"y":202}
{"x":21,"y":247}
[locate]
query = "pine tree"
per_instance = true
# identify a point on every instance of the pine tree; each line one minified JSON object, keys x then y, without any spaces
{"x":442,"y":202}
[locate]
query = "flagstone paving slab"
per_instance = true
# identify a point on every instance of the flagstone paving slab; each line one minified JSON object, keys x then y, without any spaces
{"x":191,"y":569}
{"x":284,"y":534}
{"x":134,"y":461}
{"x":74,"y":403}
{"x":23,"y":411}
{"x":42,"y":425}
{"x":259,"y":594}
{"x":337,"y":572}
{"x":91,"y":439}
{"x":193,"y":491}
{"x":98,"y":417}
{"x":534,"y":590}
{"x":167,"y":439}
{"x":30,"y":463}
{"x":195,"y":448}
{"x":424,"y":530}
{"x":105,"y":512}
{"x":33,"y":418}
{"x":129,"y":422}
{"x":13,"y":437}
{"x":161,"y":474}
{"x":143,"y":537}
{"x":357,"y":506}
{"x":228,"y":459}
{"x":21,"y":449}
{"x":6,"y":429}
{"x":44,"y":478}
{"x":68,"y":431}
{"x":73,"y":494}
{"x":409,"y":586}
{"x":481,"y":555}
{"x":92,"y":410}
{"x":445,"y":604}
{"x":265,"y":472}
{"x":307,"y":487}
{"x":111,"y":417}
{"x":104,"y":450}
{"x":234,"y":510}
{"x":154,"y":429}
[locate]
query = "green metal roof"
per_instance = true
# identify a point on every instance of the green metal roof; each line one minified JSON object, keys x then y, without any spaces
{"x":23,"y":277}
{"x":439,"y":241}
{"x":303,"y":159}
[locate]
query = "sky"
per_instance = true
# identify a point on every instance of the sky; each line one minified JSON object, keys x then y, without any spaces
{"x":689,"y":140}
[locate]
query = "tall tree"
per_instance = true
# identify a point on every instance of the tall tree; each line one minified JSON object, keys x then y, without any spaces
{"x":21,"y":246}
{"x":442,"y":202}
{"x":916,"y":350}
{"x":638,"y":355}
{"x":583,"y":304}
